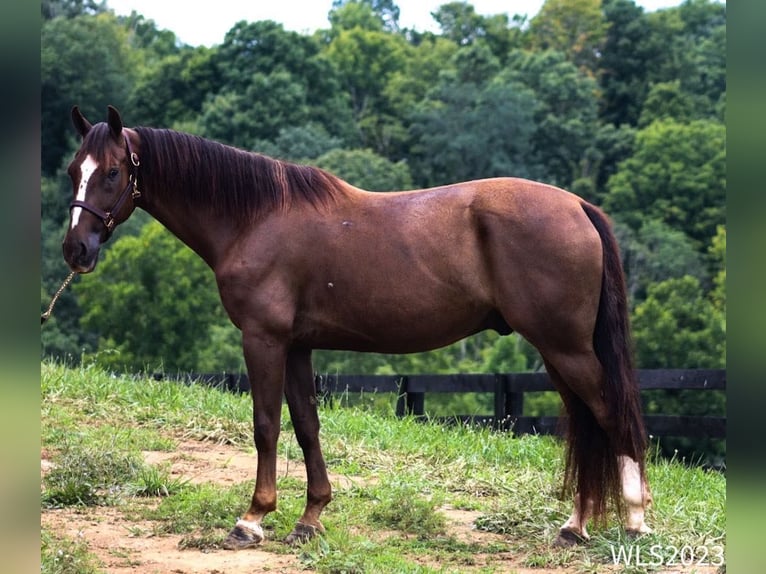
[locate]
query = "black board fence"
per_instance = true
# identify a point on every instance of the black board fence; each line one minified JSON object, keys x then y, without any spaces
{"x":508,"y":390}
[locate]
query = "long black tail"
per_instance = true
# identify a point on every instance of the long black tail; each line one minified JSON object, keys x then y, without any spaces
{"x":592,"y":452}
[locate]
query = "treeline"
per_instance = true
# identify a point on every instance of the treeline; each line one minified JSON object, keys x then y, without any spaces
{"x":621,"y":106}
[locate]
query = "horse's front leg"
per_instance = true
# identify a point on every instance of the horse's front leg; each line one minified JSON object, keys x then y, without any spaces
{"x":265,"y":359}
{"x":301,"y":398}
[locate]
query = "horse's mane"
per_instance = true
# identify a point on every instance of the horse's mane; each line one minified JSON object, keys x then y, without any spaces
{"x":231,"y":182}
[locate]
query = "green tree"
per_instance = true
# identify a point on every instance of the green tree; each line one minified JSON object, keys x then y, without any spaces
{"x":152,"y":302}
{"x":366,"y":61}
{"x":270,"y":75}
{"x":677,"y":327}
{"x":576,"y":28}
{"x":70,"y":8}
{"x":666,"y":101}
{"x":566,"y":116}
{"x":171,"y":91}
{"x":350,"y":14}
{"x":624,"y":65}
{"x":366,"y":169}
{"x":655,"y":253}
{"x":466,"y":131}
{"x":690,"y":46}
{"x":299,"y":143}
{"x":677,"y":175}
{"x":84,"y":61}
{"x":717,"y":255}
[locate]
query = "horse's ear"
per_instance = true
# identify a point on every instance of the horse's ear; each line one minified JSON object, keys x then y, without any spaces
{"x":115,"y":122}
{"x":82,"y":125}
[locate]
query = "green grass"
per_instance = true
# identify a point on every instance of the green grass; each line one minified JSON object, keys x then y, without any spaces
{"x":63,"y":555}
{"x":405,"y":472}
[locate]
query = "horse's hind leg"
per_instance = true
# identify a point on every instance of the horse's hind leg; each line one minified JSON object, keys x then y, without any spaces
{"x":579,"y":379}
{"x":301,"y":399}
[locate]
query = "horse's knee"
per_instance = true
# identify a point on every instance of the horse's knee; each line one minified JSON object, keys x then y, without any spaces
{"x":265,"y":434}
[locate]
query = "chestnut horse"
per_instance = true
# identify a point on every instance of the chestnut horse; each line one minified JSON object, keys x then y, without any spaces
{"x":304,"y":260}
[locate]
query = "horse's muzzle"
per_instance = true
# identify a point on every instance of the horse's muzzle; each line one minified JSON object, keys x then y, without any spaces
{"x":81,"y":254}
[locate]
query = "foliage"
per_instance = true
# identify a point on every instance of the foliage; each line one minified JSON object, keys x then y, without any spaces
{"x":655,"y":253}
{"x":366,"y":169}
{"x":83,"y":59}
{"x":678,"y":326}
{"x":575,"y":27}
{"x":677,"y":174}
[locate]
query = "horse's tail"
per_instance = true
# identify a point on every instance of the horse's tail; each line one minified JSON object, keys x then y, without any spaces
{"x":592,"y":464}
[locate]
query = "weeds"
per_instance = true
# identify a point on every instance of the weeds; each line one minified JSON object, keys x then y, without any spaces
{"x":405,"y":509}
{"x":63,"y":555}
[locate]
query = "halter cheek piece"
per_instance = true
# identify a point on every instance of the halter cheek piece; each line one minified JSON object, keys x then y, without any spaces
{"x":107,"y":217}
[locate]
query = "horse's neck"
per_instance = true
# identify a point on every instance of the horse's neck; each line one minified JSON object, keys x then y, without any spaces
{"x":206,"y":236}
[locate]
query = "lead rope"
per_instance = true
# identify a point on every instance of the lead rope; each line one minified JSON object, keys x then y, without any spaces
{"x":67,"y":281}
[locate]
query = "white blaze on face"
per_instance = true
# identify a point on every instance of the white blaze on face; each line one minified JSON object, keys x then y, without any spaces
{"x":87,"y":167}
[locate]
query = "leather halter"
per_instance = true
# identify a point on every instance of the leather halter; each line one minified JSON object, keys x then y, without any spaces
{"x":107,"y":217}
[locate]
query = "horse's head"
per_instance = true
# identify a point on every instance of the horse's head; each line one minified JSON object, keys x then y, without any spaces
{"x":103,"y":175}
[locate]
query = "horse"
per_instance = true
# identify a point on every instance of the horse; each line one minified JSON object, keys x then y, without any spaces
{"x":304,"y":260}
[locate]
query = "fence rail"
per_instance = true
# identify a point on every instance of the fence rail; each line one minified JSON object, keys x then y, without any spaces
{"x":508,"y":390}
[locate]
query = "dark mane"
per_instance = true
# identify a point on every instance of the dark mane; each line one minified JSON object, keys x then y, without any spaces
{"x":230,"y":181}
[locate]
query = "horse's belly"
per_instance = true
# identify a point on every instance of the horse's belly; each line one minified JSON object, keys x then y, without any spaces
{"x":403,"y":329}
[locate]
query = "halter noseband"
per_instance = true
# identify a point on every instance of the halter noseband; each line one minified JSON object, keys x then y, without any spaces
{"x":107,"y":217}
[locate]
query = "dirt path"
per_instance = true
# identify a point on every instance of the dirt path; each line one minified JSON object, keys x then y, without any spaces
{"x":126,"y":546}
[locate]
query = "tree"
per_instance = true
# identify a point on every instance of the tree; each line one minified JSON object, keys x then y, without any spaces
{"x":576,"y":28}
{"x":172,"y":90}
{"x":677,"y":327}
{"x":299,"y":143}
{"x":666,"y":101}
{"x":257,"y":60}
{"x":689,"y":43}
{"x":677,"y":175}
{"x":365,"y":61}
{"x":464,"y":131}
{"x":350,"y":14}
{"x":152,"y":301}
{"x":717,"y":256}
{"x":566,"y":126}
{"x":655,"y":253}
{"x":84,"y":61}
{"x":51,"y":9}
{"x":624,"y":65}
{"x":366,"y":169}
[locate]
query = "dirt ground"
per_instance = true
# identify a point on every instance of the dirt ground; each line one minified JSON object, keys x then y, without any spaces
{"x":128,"y":547}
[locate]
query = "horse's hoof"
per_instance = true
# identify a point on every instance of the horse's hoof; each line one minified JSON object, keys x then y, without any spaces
{"x":632,"y":533}
{"x":302,"y":533}
{"x":568,"y":538}
{"x":242,"y":537}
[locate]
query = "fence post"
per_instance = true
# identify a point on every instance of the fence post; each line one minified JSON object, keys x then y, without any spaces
{"x":514,"y":404}
{"x":500,"y":413}
{"x":409,"y":403}
{"x":401,"y":399}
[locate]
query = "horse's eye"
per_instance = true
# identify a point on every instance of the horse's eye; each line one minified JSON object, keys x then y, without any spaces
{"x":113,"y":173}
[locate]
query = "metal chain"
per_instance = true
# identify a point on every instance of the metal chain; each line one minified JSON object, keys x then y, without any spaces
{"x":67,"y":281}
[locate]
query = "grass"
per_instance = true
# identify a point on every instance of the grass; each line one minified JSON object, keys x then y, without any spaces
{"x":63,"y":555}
{"x":391,"y":518}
